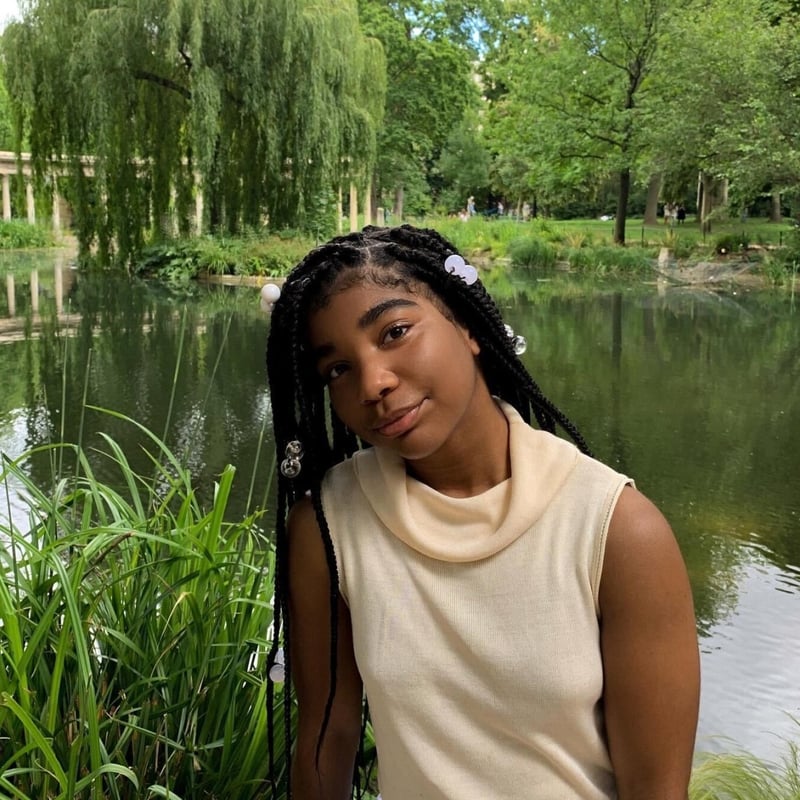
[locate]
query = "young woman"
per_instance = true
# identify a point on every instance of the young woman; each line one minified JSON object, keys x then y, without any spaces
{"x":517,"y":615}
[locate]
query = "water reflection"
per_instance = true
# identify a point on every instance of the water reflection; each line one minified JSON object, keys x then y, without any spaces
{"x":186,"y":363}
{"x":694,"y":394}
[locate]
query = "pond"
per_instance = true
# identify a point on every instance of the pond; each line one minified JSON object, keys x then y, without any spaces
{"x":695,"y":394}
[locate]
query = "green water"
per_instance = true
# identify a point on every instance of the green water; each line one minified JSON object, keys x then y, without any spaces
{"x":694,"y":394}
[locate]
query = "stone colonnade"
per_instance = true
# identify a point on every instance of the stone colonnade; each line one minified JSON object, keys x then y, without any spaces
{"x":31,"y":206}
{"x":379,"y":218}
{"x":63,"y":280}
{"x":8,"y":167}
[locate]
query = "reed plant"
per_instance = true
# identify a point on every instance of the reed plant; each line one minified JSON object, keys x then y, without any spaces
{"x":743,"y":776}
{"x":134,"y":630}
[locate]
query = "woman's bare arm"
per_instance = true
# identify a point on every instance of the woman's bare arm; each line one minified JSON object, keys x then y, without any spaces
{"x":650,"y":654}
{"x":309,"y":606}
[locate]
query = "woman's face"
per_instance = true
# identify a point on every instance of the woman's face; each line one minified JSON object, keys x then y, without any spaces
{"x":401,"y":375}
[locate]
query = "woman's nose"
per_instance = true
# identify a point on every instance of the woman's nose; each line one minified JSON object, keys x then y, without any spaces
{"x":377,"y":380}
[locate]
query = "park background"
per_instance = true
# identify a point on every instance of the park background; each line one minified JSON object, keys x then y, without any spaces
{"x":222,"y":139}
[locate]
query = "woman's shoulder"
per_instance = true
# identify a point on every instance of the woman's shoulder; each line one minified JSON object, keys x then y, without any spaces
{"x":346,"y":472}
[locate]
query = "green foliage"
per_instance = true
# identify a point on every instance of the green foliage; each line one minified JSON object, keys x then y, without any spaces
{"x":568,"y":81}
{"x":740,"y":119}
{"x":180,"y":261}
{"x":263,"y":105}
{"x":429,"y":86}
{"x":16,"y":234}
{"x":479,"y":235}
{"x":6,"y":128}
{"x":608,"y":259}
{"x":729,"y":243}
{"x":532,"y":252}
{"x":778,"y":272}
{"x":464,"y":164}
{"x":134,"y":636}
{"x":742,"y":776}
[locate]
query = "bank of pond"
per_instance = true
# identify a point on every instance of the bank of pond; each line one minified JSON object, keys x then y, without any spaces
{"x":138,"y":505}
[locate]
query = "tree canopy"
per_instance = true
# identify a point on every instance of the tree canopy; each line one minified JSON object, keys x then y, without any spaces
{"x":430,"y":65}
{"x":266,"y":105}
{"x":579,"y":92}
{"x":270,"y":106}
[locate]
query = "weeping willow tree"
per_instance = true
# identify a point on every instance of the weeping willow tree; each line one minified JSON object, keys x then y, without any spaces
{"x":264,"y":106}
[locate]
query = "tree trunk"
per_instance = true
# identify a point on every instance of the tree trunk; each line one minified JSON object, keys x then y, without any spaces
{"x":708,"y":202}
{"x":775,"y":214}
{"x":699,"y":202}
{"x":397,"y":211}
{"x":622,"y":206}
{"x":651,"y":207}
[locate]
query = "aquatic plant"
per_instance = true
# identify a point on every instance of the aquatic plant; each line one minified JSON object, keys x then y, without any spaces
{"x":134,"y":628}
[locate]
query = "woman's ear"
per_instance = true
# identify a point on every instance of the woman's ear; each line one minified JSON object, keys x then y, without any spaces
{"x":472,"y":342}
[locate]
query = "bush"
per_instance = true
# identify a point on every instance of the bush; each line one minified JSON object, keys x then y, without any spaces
{"x":731,"y":243}
{"x":16,"y":234}
{"x":180,"y":261}
{"x":531,"y":252}
{"x":608,"y":258}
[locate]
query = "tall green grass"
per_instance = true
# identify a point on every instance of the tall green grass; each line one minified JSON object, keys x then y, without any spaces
{"x":742,"y":776}
{"x":134,"y":627}
{"x":17,"y":233}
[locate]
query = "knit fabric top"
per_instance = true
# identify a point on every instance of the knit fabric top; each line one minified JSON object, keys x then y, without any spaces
{"x":475,"y":621}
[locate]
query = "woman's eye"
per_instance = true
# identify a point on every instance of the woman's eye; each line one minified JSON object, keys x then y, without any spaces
{"x":395,"y":332}
{"x":333,"y":372}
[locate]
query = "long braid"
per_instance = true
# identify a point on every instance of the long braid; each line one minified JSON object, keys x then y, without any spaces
{"x":404,"y":256}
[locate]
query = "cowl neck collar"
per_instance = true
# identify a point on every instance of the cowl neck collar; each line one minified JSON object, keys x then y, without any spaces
{"x":463,"y":529}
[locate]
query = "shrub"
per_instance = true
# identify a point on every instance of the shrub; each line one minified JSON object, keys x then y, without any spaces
{"x":16,"y":234}
{"x":180,"y":261}
{"x":531,"y":252}
{"x":608,"y":258}
{"x":731,"y":243}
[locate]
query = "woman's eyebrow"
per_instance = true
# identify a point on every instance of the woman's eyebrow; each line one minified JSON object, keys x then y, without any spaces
{"x":371,"y":314}
{"x":364,"y":321}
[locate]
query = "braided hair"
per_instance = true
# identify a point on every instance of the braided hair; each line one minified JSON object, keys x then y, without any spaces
{"x":408,"y":257}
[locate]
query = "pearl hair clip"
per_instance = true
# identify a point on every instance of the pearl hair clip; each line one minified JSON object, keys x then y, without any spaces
{"x":291,"y":466}
{"x":456,"y":265}
{"x":277,"y":672}
{"x":269,"y":296}
{"x":518,"y":343}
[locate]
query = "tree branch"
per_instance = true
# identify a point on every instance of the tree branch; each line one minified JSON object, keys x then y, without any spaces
{"x":167,"y":83}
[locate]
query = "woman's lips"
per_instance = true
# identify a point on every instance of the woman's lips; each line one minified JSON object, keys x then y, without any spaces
{"x":397,"y":426}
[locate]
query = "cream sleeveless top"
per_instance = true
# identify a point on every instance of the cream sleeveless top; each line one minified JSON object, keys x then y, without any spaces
{"x":475,"y":622}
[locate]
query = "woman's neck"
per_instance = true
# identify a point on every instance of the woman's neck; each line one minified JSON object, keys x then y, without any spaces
{"x":475,"y":460}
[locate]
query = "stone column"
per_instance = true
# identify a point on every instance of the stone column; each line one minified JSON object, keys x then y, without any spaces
{"x":6,"y":197}
{"x":368,"y":204}
{"x":31,"y":202}
{"x":353,"y":208}
{"x":56,"y":208}
{"x":59,"y":285}
{"x":35,"y":291}
{"x":199,"y":207}
{"x":11,"y":294}
{"x":380,"y":219}
{"x":339,"y":211}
